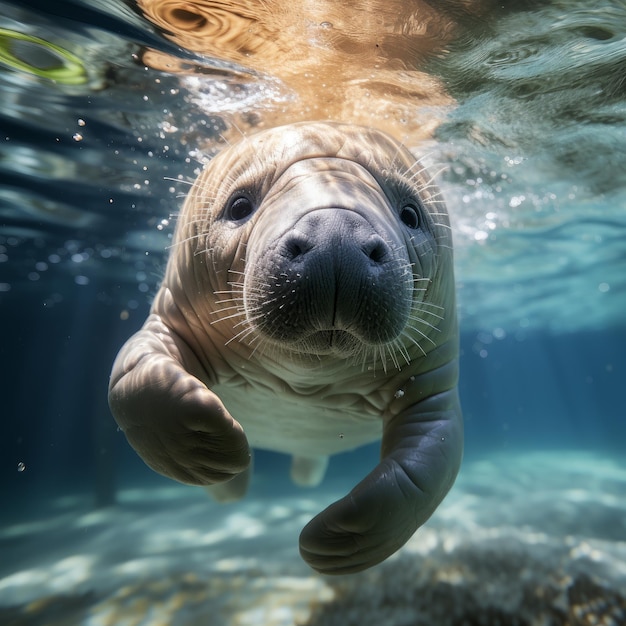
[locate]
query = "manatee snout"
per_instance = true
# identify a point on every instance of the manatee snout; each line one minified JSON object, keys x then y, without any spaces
{"x":331,"y":280}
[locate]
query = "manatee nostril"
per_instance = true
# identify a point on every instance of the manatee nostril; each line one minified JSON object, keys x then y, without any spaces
{"x":375,"y":249}
{"x":295,"y":247}
{"x":294,"y":250}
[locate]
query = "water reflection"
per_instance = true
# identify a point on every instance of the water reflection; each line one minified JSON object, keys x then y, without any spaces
{"x":40,"y":57}
{"x":360,"y":63}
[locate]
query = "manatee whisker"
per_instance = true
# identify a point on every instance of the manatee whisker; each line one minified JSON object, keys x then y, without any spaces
{"x":262,"y":288}
{"x":237,"y":295}
{"x":238,"y":277}
{"x":413,"y":173}
{"x":233,"y":286}
{"x":398,"y":345}
{"x":364,"y":354}
{"x":229,"y":292}
{"x":395,"y":347}
{"x":414,"y":341}
{"x":394,"y":159}
{"x":240,"y":337}
{"x":238,"y":272}
{"x":417,"y":309}
{"x":239,"y":304}
{"x":244,"y":333}
{"x":392,"y":356}
{"x":231,"y":302}
{"x":415,"y":318}
{"x":223,"y":138}
{"x":179,"y":180}
{"x":418,"y":162}
{"x":238,"y":307}
{"x":419,"y":332}
{"x":227,"y":317}
{"x":241,"y":133}
{"x":422,"y":303}
{"x":243,"y":322}
{"x":434,"y":175}
{"x":383,"y":358}
{"x":435,"y":198}
{"x":374,"y":358}
{"x":182,"y":241}
{"x":261,"y":345}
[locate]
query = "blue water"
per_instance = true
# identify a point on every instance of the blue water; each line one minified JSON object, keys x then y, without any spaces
{"x":531,"y":141}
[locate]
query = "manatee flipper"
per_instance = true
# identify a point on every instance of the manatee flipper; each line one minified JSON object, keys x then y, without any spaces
{"x":231,"y":490}
{"x":421,"y":453}
{"x":176,"y":424}
{"x":308,"y":471}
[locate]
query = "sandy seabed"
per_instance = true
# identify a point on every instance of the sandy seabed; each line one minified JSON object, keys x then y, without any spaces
{"x":532,"y":539}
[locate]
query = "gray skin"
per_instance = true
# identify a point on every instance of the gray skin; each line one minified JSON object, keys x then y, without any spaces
{"x":308,"y":307}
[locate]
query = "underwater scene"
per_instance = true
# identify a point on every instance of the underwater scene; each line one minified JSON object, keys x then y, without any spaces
{"x":382,"y":120}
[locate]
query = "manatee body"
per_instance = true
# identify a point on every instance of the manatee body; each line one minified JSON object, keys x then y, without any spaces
{"x":308,"y":307}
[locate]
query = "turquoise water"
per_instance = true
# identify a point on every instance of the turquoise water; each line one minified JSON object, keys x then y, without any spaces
{"x":105,"y":116}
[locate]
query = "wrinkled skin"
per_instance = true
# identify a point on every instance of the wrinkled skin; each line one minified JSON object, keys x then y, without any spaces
{"x":308,"y":307}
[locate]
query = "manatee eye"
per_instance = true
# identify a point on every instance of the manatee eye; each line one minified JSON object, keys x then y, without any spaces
{"x":238,"y":208}
{"x":410,"y":216}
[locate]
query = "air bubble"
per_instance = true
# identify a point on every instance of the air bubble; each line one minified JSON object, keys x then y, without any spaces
{"x":499,"y":333}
